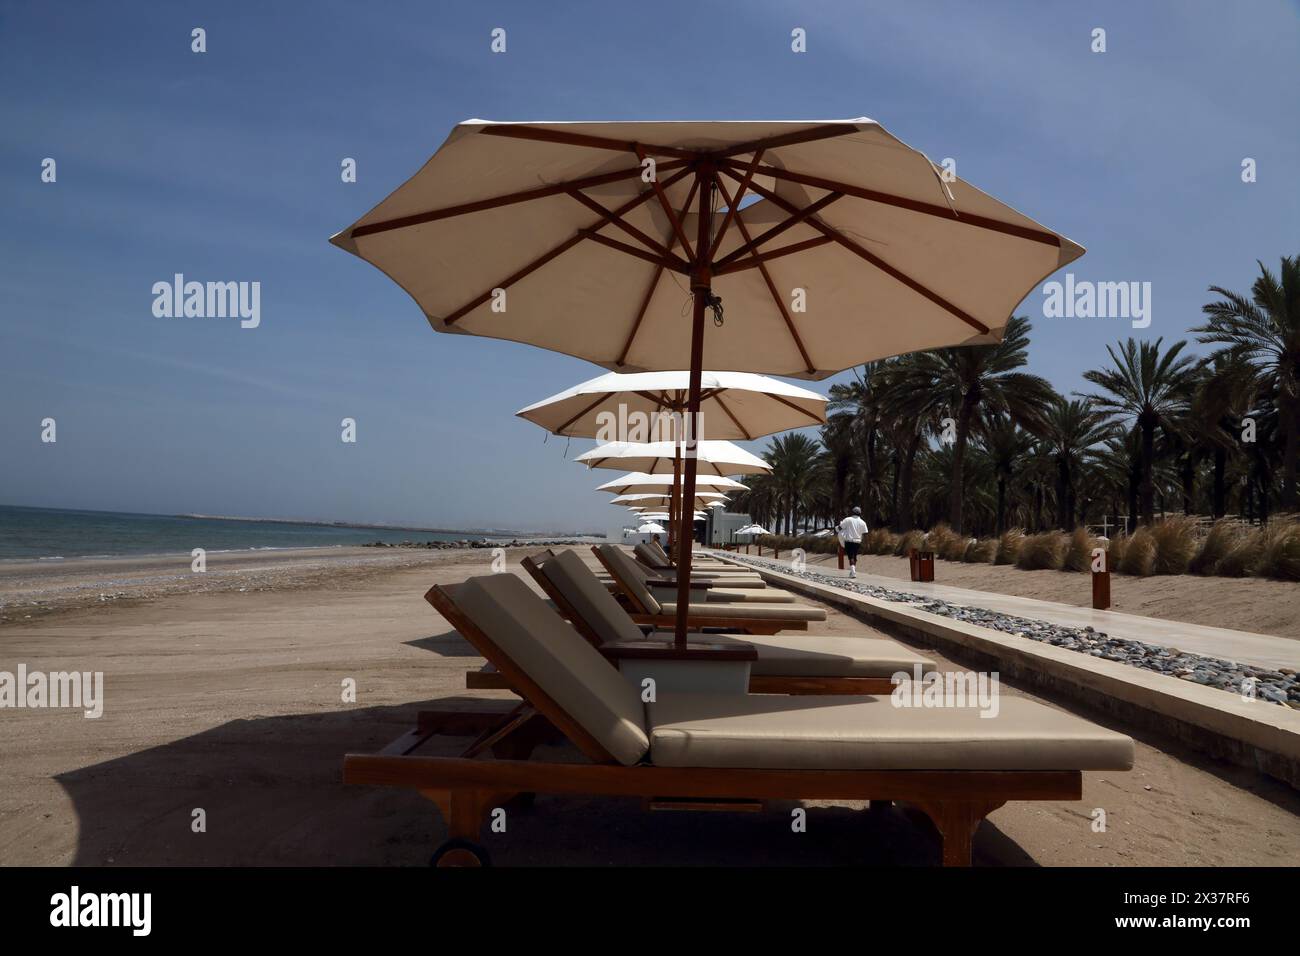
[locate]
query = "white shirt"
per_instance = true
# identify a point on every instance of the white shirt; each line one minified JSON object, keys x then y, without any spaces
{"x":852,"y":529}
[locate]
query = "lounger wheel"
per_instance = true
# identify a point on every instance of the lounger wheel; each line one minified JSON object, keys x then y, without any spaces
{"x":460,"y":853}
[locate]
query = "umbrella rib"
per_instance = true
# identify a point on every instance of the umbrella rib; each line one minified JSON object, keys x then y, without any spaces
{"x":650,"y":290}
{"x":875,"y":260}
{"x":640,"y":314}
{"x":584,"y":139}
{"x":674,"y":264}
{"x":771,"y":288}
{"x":779,"y":228}
{"x":914,"y":205}
{"x":667,"y":207}
{"x":734,"y":420}
{"x":788,"y":139}
{"x":556,"y":251}
{"x":627,"y":227}
{"x":541,"y":192}
{"x":599,"y":399}
{"x":731,"y":205}
{"x":817,"y":420}
{"x":758,"y":258}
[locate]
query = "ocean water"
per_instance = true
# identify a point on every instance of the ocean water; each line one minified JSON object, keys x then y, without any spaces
{"x":50,"y":533}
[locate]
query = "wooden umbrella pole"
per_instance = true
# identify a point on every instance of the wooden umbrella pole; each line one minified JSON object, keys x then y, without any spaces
{"x":676,"y":495}
{"x":701,"y":287}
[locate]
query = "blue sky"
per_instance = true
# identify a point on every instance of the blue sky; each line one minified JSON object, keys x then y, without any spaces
{"x":225,"y":165}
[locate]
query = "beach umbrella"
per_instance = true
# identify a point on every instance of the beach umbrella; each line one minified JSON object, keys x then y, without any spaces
{"x":647,"y":406}
{"x":598,"y":240}
{"x":651,"y":406}
{"x":650,"y":528}
{"x":657,"y":458}
{"x":639,"y":482}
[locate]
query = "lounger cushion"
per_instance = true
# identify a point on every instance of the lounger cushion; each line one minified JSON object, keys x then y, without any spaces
{"x":752,"y":612}
{"x":722,"y":594}
{"x":590,"y":598}
{"x":629,"y":576}
{"x":568,"y":669}
{"x":818,"y":655}
{"x":869,"y":733}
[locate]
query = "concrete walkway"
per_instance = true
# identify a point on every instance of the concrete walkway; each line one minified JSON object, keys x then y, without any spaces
{"x":1244,"y":647}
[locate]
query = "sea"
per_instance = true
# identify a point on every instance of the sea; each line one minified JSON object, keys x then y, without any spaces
{"x":29,"y":534}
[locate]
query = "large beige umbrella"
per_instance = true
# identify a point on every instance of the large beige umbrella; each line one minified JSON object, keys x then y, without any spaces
{"x":596,"y":239}
{"x":639,"y":482}
{"x":657,"y":458}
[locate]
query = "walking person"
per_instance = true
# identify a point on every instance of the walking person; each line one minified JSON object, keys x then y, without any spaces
{"x":851,"y":530}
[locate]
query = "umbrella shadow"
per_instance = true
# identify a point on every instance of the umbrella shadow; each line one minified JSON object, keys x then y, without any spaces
{"x":269,"y":792}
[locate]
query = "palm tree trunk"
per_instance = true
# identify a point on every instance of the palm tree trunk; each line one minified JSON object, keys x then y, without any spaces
{"x":958,"y":494}
{"x":909,"y":468}
{"x":1062,"y":496}
{"x":1291,"y":423}
{"x":1220,"y":492}
{"x":1148,"y":488}
{"x":1002,"y":505}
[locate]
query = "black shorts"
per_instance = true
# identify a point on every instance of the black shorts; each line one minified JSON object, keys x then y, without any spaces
{"x":851,"y":548}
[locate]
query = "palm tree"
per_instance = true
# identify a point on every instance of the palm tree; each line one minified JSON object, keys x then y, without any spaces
{"x":965,"y":382}
{"x":793,"y":458}
{"x":1072,"y":427}
{"x":1149,"y":390}
{"x":1006,"y":445}
{"x":1265,"y":329}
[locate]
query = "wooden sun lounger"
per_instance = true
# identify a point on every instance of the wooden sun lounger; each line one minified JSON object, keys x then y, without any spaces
{"x":753,"y":619}
{"x":823,"y":683}
{"x":620,"y":737}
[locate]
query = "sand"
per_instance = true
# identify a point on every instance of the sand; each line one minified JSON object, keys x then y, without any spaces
{"x":230,"y":702}
{"x":1244,"y":604}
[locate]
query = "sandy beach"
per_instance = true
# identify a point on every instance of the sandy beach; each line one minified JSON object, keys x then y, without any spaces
{"x":226,"y":697}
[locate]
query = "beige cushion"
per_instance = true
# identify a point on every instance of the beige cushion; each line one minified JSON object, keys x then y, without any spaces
{"x":752,"y":612}
{"x":658,"y":552}
{"x":591,"y":600}
{"x":818,"y":655}
{"x":769,"y":732}
{"x":724,"y":595}
{"x":629,"y":576}
{"x":568,"y":669}
{"x":647,"y":556}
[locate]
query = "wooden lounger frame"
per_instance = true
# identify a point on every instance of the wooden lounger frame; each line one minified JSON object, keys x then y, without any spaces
{"x":467,"y":788}
{"x":701,"y":615}
{"x":758,"y":684}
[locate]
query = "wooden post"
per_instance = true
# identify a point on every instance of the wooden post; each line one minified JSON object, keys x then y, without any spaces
{"x":1100,"y":579}
{"x":841,"y":557}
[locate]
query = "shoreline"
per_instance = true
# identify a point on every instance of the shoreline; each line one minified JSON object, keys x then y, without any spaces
{"x":35,"y":590}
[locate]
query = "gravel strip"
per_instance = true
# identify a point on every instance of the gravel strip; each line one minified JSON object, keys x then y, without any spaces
{"x":1278,"y":687}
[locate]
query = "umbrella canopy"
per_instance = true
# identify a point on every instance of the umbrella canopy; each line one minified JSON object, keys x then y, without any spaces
{"x":656,"y":458}
{"x":752,"y":529}
{"x":596,"y":262}
{"x":640,"y":407}
{"x":560,"y":234}
{"x":702,"y":499}
{"x":650,"y":528}
{"x":641,"y":483}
